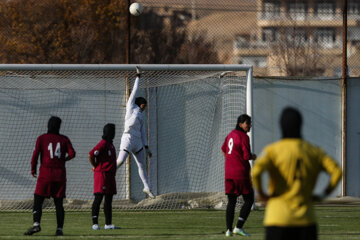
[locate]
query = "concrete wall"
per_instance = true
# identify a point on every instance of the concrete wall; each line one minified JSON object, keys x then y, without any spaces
{"x":320,"y":104}
{"x":353,"y":138}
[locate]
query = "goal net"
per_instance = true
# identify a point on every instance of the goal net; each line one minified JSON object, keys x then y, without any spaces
{"x":191,"y":108}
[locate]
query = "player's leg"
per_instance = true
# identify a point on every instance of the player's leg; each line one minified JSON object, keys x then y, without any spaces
{"x":95,"y":209}
{"x":140,"y":160}
{"x":309,"y":232}
{"x":60,"y":215}
{"x":110,"y":190}
{"x":122,"y":157}
{"x":244,"y":213}
{"x":125,"y":147}
{"x":108,"y":209}
{"x":230,"y":211}
{"x":108,"y":212}
{"x":294,"y":233}
{"x":58,"y":193}
{"x":275,"y":233}
{"x":37,"y":213}
{"x":37,"y":210}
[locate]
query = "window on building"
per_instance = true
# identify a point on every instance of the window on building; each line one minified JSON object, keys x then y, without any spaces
{"x":256,"y":61}
{"x":353,"y":34}
{"x":297,"y":9}
{"x":271,"y":9}
{"x":240,"y":42}
{"x":325,"y":9}
{"x":300,"y":35}
{"x":270,"y":34}
{"x":354,"y":8}
{"x":337,"y":72}
{"x":297,"y":36}
{"x":326,"y":37}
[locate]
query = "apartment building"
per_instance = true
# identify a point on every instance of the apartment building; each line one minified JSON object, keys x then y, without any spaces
{"x":300,"y":32}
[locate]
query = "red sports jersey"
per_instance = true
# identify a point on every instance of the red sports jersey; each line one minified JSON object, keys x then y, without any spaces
{"x":52,"y":149}
{"x":104,"y":174}
{"x":237,"y":149}
{"x":105,"y":155}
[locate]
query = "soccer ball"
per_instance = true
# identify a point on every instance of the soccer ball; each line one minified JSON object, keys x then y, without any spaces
{"x":136,"y":9}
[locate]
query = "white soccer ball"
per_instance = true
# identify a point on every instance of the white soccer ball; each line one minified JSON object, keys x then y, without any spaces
{"x":136,"y":9}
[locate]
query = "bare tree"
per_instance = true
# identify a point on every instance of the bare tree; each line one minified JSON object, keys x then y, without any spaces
{"x":294,"y":53}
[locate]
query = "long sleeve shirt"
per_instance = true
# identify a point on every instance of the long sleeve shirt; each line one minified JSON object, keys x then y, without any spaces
{"x":134,"y":118}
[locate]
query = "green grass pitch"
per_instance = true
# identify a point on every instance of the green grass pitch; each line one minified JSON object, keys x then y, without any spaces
{"x":335,"y":223}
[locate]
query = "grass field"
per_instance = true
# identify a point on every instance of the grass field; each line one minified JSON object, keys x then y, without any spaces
{"x":335,"y":222}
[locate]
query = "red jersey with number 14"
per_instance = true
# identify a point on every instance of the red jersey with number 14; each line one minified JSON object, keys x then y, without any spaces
{"x":237,"y":149}
{"x":52,"y":149}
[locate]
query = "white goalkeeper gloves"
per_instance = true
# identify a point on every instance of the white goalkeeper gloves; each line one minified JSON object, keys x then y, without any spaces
{"x":138,"y":72}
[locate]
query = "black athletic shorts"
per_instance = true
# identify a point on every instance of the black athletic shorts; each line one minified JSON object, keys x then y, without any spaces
{"x":291,"y":233}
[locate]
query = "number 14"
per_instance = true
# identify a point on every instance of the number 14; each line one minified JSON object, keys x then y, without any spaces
{"x":57,"y":151}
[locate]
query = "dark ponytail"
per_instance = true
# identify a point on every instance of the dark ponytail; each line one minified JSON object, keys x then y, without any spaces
{"x":241,"y":119}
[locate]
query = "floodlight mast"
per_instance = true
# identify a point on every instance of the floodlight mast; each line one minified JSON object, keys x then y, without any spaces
{"x":127,"y":89}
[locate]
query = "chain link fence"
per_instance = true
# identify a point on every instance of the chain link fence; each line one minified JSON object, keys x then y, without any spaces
{"x":277,"y":37}
{"x":302,"y":38}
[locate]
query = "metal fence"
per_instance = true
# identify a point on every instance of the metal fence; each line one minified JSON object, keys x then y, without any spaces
{"x":277,"y":37}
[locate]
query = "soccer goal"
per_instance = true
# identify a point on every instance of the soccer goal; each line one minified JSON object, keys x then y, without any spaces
{"x":191,"y":108}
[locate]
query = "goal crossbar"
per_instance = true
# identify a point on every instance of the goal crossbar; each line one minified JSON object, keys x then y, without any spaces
{"x":125,"y":67}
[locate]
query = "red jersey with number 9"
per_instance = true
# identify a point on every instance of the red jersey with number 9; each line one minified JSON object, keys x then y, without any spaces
{"x":237,"y":150}
{"x":52,"y":149}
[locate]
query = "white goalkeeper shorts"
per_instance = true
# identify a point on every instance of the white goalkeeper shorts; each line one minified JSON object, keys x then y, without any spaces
{"x":131,"y":143}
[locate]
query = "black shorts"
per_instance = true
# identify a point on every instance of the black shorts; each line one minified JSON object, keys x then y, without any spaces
{"x":293,"y":233}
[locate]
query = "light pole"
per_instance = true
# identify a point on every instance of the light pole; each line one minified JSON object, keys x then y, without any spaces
{"x":127,"y":40}
{"x":343,"y":97}
{"x":127,"y":89}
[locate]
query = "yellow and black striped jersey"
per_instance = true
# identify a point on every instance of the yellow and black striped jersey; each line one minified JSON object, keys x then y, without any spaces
{"x":293,"y":166}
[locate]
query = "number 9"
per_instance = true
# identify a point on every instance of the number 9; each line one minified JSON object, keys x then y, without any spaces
{"x":230,"y":145}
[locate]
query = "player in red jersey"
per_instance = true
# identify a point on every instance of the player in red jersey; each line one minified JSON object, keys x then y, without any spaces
{"x":54,"y":150}
{"x":237,"y":153}
{"x":103,"y":160}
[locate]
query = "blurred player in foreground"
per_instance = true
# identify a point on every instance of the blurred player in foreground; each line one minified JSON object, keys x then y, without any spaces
{"x":103,"y":161}
{"x":134,"y":139}
{"x":237,"y":153}
{"x":293,"y":165}
{"x":54,"y":150}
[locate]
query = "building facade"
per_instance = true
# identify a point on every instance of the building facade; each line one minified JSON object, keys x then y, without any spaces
{"x":300,"y":37}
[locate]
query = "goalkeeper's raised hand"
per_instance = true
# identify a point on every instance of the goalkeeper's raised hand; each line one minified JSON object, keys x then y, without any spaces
{"x":138,"y":72}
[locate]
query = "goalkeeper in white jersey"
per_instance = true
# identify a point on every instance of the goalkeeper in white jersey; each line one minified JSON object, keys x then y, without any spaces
{"x":134,"y":138}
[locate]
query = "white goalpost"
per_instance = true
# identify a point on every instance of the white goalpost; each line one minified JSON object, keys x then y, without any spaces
{"x":191,"y":108}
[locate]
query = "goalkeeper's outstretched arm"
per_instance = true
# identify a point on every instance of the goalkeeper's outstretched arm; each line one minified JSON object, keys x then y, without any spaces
{"x":131,"y":101}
